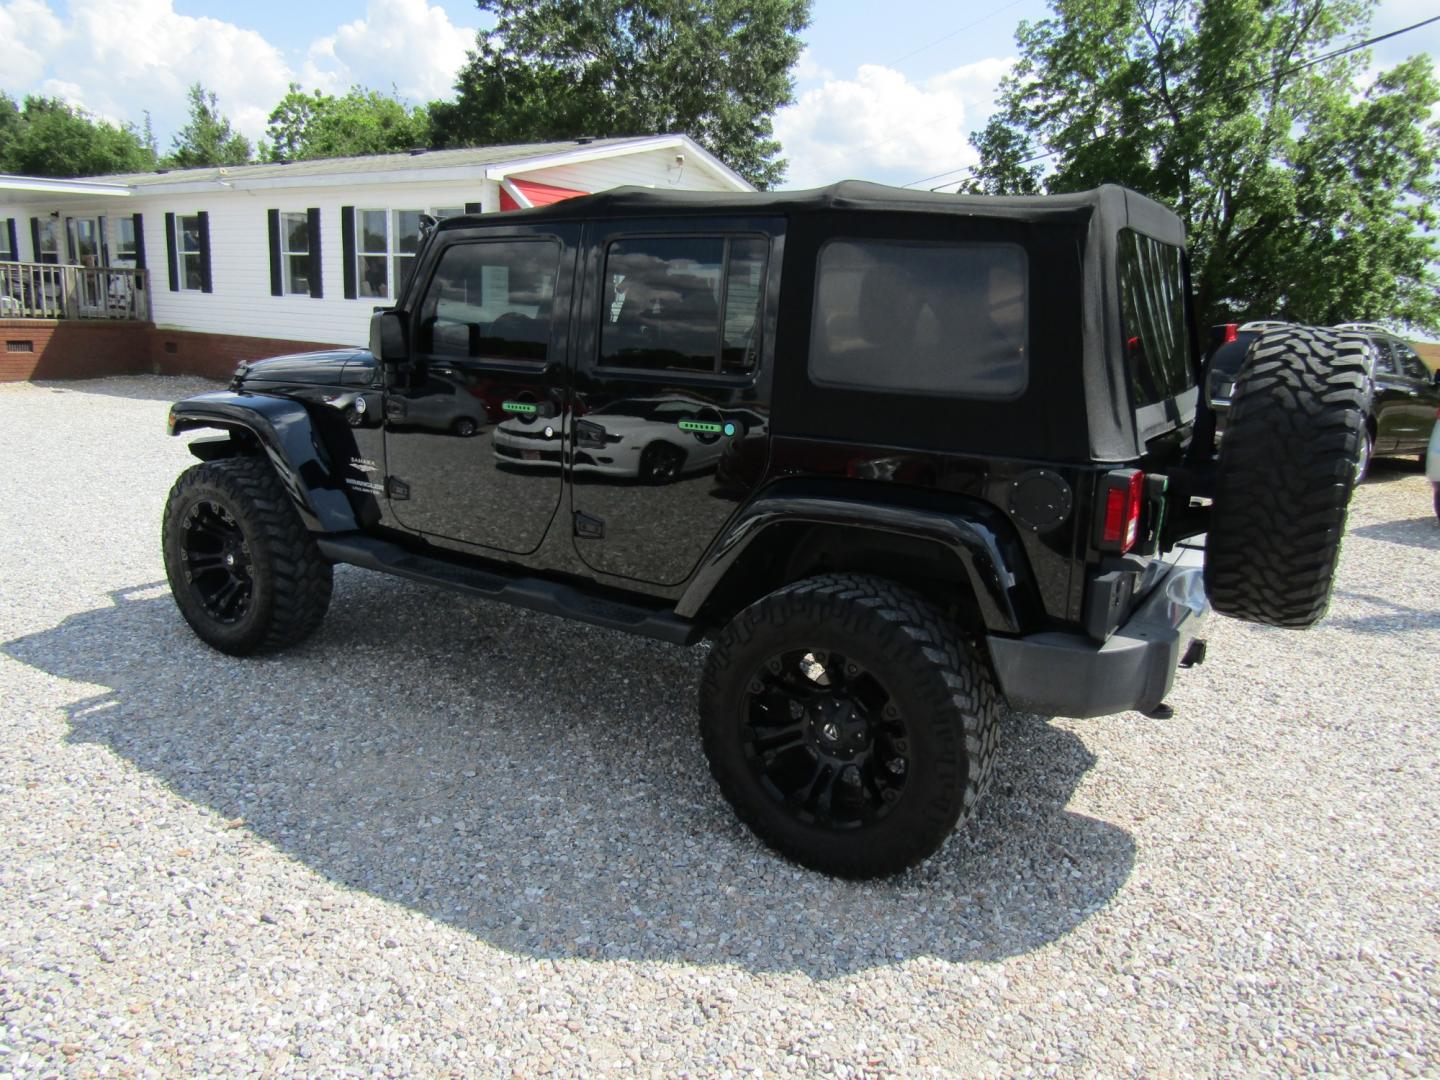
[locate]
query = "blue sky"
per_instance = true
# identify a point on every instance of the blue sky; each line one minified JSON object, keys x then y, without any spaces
{"x":890,"y":99}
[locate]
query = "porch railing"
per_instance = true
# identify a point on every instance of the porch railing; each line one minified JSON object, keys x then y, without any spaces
{"x":64,"y":291}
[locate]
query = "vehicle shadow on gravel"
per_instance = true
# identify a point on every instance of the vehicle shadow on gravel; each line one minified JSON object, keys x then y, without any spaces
{"x":541,"y":785}
{"x":1420,"y":532}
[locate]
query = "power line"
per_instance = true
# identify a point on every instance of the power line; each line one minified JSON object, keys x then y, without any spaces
{"x":968,"y":169}
{"x":954,"y":33}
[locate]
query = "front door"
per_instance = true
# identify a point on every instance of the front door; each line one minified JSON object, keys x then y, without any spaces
{"x":489,"y":350}
{"x":671,"y":404}
{"x":86,"y":239}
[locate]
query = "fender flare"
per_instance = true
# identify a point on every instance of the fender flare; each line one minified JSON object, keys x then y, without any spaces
{"x":286,"y":433}
{"x":975,"y":533}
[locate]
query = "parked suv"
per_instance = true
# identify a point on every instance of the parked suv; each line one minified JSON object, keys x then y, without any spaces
{"x":940,"y":453}
{"x":1406,"y":398}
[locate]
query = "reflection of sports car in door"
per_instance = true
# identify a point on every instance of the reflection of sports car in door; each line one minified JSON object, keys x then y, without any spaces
{"x":635,"y":438}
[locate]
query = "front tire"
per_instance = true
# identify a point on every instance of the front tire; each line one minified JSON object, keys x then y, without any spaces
{"x":244,"y":572}
{"x":847,"y":724}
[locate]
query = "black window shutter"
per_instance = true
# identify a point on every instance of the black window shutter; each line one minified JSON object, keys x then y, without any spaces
{"x":13,"y":239}
{"x":174,"y":262}
{"x":277,"y":280}
{"x":206,"y":284}
{"x":472,"y":208}
{"x":317,"y":287}
{"x":139,"y":220}
{"x":347,"y":248}
{"x":35,"y":239}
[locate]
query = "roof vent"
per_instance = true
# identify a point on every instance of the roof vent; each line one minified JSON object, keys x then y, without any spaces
{"x":419,"y":150}
{"x":584,"y":139}
{"x":162,"y":170}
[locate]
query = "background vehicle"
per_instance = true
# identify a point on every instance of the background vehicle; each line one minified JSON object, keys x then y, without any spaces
{"x":1407,"y":395}
{"x":1402,"y":409}
{"x":1432,"y":464}
{"x":941,"y":480}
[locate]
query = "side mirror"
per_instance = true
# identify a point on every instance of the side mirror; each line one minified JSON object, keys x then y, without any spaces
{"x":387,"y":337}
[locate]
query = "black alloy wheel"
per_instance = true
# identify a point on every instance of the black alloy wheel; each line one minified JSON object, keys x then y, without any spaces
{"x":465,"y":427}
{"x":243,"y":570}
{"x":849,"y":723}
{"x":825,"y":738}
{"x":216,"y":561}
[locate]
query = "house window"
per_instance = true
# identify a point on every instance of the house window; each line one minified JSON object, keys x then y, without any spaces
{"x":295,"y":252}
{"x":388,"y":243}
{"x":189,"y":252}
{"x":443,"y":212}
{"x":127,"y":249}
{"x":49,"y":233}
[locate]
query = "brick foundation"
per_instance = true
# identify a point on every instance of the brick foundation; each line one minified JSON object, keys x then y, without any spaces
{"x":79,"y":349}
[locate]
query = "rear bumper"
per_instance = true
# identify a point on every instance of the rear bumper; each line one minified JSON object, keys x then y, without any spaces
{"x":1071,"y":675}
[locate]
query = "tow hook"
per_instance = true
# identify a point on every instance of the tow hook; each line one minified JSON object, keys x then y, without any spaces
{"x":1195,"y":654}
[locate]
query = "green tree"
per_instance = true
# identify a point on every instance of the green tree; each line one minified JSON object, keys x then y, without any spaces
{"x":1304,"y":194}
{"x":359,"y":122}
{"x":716,"y":70}
{"x":47,"y":137}
{"x":208,"y":138}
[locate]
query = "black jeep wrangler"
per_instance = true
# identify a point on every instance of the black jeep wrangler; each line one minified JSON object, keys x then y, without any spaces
{"x":900,"y":457}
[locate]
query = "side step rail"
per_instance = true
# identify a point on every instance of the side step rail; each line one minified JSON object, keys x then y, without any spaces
{"x":535,"y":594}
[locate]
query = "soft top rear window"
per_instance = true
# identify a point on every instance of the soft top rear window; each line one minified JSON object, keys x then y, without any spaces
{"x":921,"y":317}
{"x":1152,"y":306}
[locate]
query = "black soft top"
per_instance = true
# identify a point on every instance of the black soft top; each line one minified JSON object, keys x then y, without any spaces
{"x":1115,"y":206}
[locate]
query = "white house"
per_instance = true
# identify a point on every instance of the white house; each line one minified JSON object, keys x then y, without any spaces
{"x":261,"y":257}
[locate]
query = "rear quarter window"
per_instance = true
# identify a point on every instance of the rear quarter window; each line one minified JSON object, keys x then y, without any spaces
{"x":918,"y":317}
{"x":1153,"y":300}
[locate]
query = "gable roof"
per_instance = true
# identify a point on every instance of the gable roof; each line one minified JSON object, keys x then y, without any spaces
{"x":487,"y":162}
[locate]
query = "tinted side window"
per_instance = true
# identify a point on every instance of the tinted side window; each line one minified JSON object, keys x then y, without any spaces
{"x":1384,"y":357}
{"x":1411,"y":363}
{"x":491,"y":300}
{"x":914,"y":317}
{"x":688,"y":303}
{"x":1152,"y":307}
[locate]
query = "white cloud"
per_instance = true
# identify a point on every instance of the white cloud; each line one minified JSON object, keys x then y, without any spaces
{"x":404,"y":43}
{"x":118,"y":58}
{"x":881,"y":126}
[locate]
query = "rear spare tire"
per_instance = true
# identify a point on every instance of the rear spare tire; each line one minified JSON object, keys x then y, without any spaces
{"x":1287,"y":468}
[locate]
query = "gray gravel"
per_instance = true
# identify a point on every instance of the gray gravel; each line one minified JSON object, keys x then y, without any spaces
{"x":445,"y":837}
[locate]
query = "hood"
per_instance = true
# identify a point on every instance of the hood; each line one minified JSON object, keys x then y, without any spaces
{"x":324,"y":367}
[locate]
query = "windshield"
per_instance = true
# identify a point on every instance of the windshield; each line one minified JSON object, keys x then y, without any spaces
{"x":1153,"y":300}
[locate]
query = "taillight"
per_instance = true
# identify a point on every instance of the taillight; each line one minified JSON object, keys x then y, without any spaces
{"x":1121,"y":494}
{"x":1232,"y":331}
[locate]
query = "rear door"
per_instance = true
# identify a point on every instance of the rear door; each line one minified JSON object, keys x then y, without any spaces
{"x":671,"y":400}
{"x":1422,"y":398}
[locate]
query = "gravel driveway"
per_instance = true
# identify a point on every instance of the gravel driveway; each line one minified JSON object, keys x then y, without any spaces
{"x":445,"y":837}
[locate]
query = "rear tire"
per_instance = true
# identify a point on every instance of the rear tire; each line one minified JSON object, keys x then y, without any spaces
{"x":245,"y":573}
{"x":1287,"y":470}
{"x":847,"y":724}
